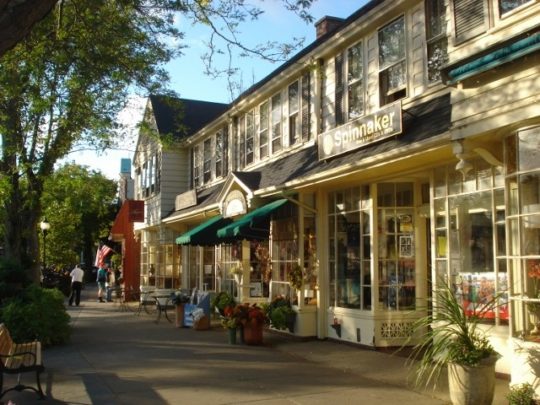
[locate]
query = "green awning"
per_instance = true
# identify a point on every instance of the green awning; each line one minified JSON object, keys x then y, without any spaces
{"x":496,"y":58}
{"x":205,"y":233}
{"x":254,"y":225}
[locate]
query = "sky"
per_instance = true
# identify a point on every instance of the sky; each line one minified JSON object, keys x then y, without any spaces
{"x":187,"y":71}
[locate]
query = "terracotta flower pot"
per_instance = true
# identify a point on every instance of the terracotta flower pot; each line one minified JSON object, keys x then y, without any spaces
{"x":253,"y":334}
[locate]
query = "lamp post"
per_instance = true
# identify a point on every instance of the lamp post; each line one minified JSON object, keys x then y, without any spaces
{"x":45,"y":226}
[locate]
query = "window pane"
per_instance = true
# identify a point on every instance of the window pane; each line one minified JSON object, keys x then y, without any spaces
{"x":392,"y":43}
{"x":529,"y":149}
{"x":355,"y":64}
{"x":508,"y":5}
{"x":293,"y":98}
{"x":356,"y":100}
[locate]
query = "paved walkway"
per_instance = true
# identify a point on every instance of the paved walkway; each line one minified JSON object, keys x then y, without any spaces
{"x":117,"y":357}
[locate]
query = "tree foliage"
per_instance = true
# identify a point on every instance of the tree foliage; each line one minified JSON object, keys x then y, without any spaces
{"x":62,"y":87}
{"x":80,"y":205}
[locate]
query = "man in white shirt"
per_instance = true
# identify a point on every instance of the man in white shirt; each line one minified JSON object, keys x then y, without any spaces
{"x":77,"y":275}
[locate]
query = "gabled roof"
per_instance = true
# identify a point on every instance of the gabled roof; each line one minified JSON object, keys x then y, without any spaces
{"x":183,"y":117}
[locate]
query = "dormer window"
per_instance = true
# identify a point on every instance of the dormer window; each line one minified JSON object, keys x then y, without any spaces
{"x":392,"y":62}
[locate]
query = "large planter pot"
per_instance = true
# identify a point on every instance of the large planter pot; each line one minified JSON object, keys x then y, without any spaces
{"x":253,"y":334}
{"x":472,"y":385}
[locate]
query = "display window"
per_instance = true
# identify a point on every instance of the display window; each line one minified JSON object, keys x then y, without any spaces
{"x":470,"y":237}
{"x":350,"y":248}
{"x":522,"y":159}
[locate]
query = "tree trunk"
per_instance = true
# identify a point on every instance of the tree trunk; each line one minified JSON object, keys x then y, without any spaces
{"x":20,"y":239}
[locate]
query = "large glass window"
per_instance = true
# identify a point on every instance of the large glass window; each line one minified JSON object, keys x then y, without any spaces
{"x":355,"y":81}
{"x":350,"y":248}
{"x":470,"y":246}
{"x":522,"y":158}
{"x":285,"y":239}
{"x":229,"y":255}
{"x":392,"y":62}
{"x":437,"y":41}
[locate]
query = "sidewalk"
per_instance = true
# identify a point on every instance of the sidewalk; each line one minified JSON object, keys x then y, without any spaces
{"x":118,"y":357}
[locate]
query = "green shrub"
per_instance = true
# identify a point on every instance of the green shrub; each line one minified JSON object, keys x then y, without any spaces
{"x":12,"y":279}
{"x":37,"y":313}
{"x":521,"y":394}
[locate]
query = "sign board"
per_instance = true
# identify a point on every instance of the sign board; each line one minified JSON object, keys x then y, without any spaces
{"x":363,"y":131}
{"x":185,"y":200}
{"x":136,"y":210}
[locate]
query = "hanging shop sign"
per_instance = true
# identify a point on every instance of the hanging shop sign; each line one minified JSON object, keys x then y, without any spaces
{"x":185,"y":200}
{"x":361,"y":132}
{"x":234,"y":204}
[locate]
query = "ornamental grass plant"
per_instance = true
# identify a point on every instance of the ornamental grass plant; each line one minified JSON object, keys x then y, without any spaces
{"x":449,"y":335}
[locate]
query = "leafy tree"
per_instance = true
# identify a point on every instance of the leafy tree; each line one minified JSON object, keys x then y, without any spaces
{"x":62,"y":87}
{"x":80,"y":205}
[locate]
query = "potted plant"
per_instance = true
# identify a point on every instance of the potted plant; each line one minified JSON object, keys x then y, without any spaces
{"x":252,"y":320}
{"x":280,"y":314}
{"x":450,"y":338}
{"x":220,"y":301}
{"x":229,"y":321}
{"x":534,"y":307}
{"x":178,"y":299}
{"x":521,"y":394}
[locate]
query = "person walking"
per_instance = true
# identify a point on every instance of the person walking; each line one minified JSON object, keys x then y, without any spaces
{"x":76,"y":275}
{"x":101,"y":280}
{"x":110,"y":284}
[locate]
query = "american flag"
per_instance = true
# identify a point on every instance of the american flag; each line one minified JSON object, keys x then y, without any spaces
{"x":101,"y":254}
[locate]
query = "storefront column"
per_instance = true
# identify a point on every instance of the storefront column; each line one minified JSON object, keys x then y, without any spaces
{"x":322,"y":255}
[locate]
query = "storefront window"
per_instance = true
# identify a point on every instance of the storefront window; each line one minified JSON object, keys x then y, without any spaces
{"x":396,"y":246}
{"x":260,"y":269}
{"x":311,"y":261}
{"x":284,"y":253}
{"x":522,"y":157}
{"x":350,"y":248}
{"x":470,"y":248}
{"x":231,"y":255}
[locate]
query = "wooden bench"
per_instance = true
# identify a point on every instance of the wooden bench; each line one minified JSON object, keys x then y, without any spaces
{"x":18,"y":358}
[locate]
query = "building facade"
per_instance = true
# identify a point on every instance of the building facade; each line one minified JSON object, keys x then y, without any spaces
{"x":397,"y":151}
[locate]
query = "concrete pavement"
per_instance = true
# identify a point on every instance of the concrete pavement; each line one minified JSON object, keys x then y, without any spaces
{"x":117,"y":357}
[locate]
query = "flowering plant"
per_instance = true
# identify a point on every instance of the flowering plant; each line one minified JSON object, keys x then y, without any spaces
{"x":251,"y":315}
{"x":534,"y":274}
{"x":229,"y":320}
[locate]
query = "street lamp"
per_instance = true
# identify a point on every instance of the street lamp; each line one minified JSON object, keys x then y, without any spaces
{"x":45,"y":226}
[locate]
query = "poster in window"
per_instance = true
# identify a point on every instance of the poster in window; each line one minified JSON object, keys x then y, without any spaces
{"x":406,"y":246}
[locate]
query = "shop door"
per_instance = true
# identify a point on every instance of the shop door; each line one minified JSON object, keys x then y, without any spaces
{"x":397,"y":260}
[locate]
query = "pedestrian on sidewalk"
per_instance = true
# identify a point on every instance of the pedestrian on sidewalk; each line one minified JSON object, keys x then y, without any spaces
{"x":101,"y":280}
{"x":110,"y":283}
{"x":76,"y":275}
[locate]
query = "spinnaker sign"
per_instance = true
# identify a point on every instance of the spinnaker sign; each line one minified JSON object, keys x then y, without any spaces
{"x":361,"y":132}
